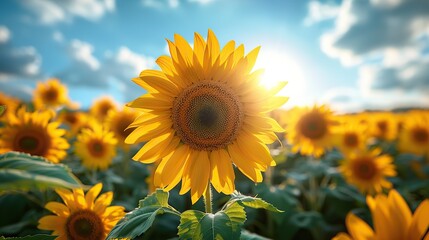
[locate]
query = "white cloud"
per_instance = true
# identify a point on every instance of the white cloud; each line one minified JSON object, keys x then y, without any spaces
{"x":159,"y":4}
{"x":17,"y":61}
{"x":52,"y":11}
{"x":320,"y":11}
{"x":388,"y":41}
{"x":162,"y":4}
{"x":4,"y":34}
{"x":58,"y":36}
{"x":114,"y":70}
{"x":202,"y":1}
{"x":83,"y":52}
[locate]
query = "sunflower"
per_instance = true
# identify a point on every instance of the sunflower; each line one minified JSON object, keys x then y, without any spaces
{"x":204,"y":111}
{"x":100,"y":107}
{"x":352,"y":137}
{"x":11,"y":105}
{"x":414,"y":136}
{"x":96,"y":146}
{"x":51,"y":94}
{"x":383,"y":126}
{"x":33,"y":133}
{"x":368,"y":171}
{"x":74,"y":121}
{"x":82,"y":217}
{"x":118,"y":122}
{"x":392,"y":219}
{"x":311,"y":130}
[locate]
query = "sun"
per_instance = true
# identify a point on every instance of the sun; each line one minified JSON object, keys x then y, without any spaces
{"x":280,"y":67}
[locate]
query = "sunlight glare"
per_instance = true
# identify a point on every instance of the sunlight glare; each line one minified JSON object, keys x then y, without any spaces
{"x":281,"y":67}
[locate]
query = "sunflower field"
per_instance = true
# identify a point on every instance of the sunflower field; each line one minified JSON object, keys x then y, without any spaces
{"x":207,"y":153}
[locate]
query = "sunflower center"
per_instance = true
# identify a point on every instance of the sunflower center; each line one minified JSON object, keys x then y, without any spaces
{"x":420,"y":135}
{"x":207,"y":115}
{"x":84,"y":224}
{"x":50,"y":95}
{"x":105,"y":108}
{"x":382,"y":126}
{"x":96,"y":148}
{"x":351,"y":140}
{"x":313,"y":125}
{"x":121,"y":127}
{"x":71,"y":118}
{"x":31,"y":142}
{"x":364,"y":168}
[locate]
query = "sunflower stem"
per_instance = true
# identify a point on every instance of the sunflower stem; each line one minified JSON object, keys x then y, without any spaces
{"x":208,"y":199}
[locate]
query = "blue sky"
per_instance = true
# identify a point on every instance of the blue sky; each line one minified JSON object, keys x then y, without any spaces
{"x":351,"y":54}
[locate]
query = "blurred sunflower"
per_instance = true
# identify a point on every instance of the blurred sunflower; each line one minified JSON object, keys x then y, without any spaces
{"x":383,"y":125}
{"x":51,"y":94}
{"x":414,"y":136}
{"x":368,"y":171}
{"x":82,"y":217}
{"x":118,"y":122}
{"x":100,"y":107}
{"x":96,"y":146}
{"x":310,"y":131}
{"x":352,"y":137}
{"x":33,"y":133}
{"x":204,"y":111}
{"x":74,"y":120}
{"x":11,"y":105}
{"x":392,"y":219}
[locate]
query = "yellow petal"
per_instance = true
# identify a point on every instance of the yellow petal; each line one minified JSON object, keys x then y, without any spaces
{"x":199,"y":174}
{"x":400,"y":214}
{"x":92,"y":194}
{"x":58,"y":208}
{"x":173,"y":168}
{"x":102,"y":202}
{"x":222,"y":172}
{"x":153,"y":148}
{"x":247,"y":168}
{"x":358,"y":229}
{"x":420,"y":222}
{"x":51,"y":223}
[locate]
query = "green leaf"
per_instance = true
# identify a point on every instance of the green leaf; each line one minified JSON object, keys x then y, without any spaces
{"x":21,"y":171}
{"x":246,"y":235}
{"x":34,"y":237}
{"x":224,"y":224}
{"x":2,"y":109}
{"x":252,"y":202}
{"x":139,"y":220}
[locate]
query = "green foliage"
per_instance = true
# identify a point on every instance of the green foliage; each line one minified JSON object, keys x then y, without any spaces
{"x":224,"y":224}
{"x":251,"y":202}
{"x":2,"y":109}
{"x":139,"y":220}
{"x":20,"y":171}
{"x":34,"y":237}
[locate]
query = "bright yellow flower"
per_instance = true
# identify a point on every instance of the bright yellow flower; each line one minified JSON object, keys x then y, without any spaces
{"x":368,"y":171}
{"x":82,"y":217}
{"x":33,"y":133}
{"x":51,"y":94}
{"x":204,"y":111}
{"x":96,"y":146}
{"x":392,"y":220}
{"x":352,"y":137}
{"x":74,"y":121}
{"x":383,"y":125}
{"x":10,"y":103}
{"x":118,"y":122}
{"x":310,"y":131}
{"x":414,"y":136}
{"x":100,"y":107}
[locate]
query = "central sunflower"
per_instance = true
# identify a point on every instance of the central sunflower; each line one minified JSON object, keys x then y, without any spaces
{"x":204,"y":111}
